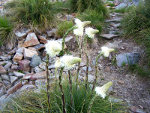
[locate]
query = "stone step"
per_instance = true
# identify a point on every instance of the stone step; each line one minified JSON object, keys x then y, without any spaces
{"x":108,"y":36}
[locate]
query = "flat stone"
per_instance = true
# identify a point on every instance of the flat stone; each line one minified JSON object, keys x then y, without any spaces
{"x":127,"y":58}
{"x":18,"y":74}
{"x":20,"y":50}
{"x":43,"y":66}
{"x":118,"y":19}
{"x":22,"y":33}
{"x":18,"y":57}
{"x":37,"y":69}
{"x":42,"y":39}
{"x":28,"y":53}
{"x":14,"y":67}
{"x":91,"y":78}
{"x":108,"y":36}
{"x":7,"y":66}
{"x":5,"y":57}
{"x":2,"y":70}
{"x":5,"y":77}
{"x":36,"y":60}
{"x":27,"y":87}
{"x":39,"y":47}
{"x":31,"y":40}
{"x":52,"y":32}
{"x":13,"y":79}
{"x":24,"y":65}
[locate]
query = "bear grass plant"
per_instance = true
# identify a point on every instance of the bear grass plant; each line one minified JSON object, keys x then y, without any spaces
{"x":35,"y":102}
{"x":6,"y":30}
{"x":30,"y":12}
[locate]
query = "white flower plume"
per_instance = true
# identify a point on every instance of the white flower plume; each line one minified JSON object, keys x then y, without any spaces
{"x":80,"y":27}
{"x":53,"y":48}
{"x":67,"y":61}
{"x":106,"y":51}
{"x":101,"y":91}
{"x":91,"y":32}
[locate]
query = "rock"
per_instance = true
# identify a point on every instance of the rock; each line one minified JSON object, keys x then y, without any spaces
{"x":108,"y":36}
{"x":20,"y":50}
{"x":127,"y":58}
{"x":18,"y":57}
{"x":18,"y":74}
{"x":36,"y":76}
{"x":13,"y":79}
{"x":14,"y":88}
{"x":22,"y":33}
{"x":120,"y":82}
{"x":37,"y":69}
{"x":14,"y":67}
{"x":43,"y":66}
{"x":52,"y":33}
{"x":10,"y":45}
{"x":121,"y":5}
{"x":115,"y":25}
{"x":12,"y":52}
{"x":114,"y":100}
{"x":118,"y":19}
{"x":31,"y":40}
{"x":27,"y":87}
{"x":136,"y":110}
{"x":42,"y":39}
{"x":39,"y":47}
{"x":24,"y":65}
{"x":5,"y":57}
{"x":3,"y":101}
{"x":91,"y":78}
{"x":28,"y":53}
{"x":7,"y":66}
{"x":5,"y":77}
{"x":36,"y":60}
{"x":69,"y":17}
{"x":2,"y":70}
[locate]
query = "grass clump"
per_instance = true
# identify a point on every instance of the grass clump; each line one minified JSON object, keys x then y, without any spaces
{"x":32,"y":102}
{"x":30,"y":12}
{"x":6,"y":30}
{"x":63,"y":27}
{"x":95,"y":17}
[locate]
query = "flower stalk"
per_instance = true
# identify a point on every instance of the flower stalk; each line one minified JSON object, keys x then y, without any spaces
{"x":62,"y":93}
{"x":47,"y":85}
{"x":96,"y":70}
{"x":70,"y":85}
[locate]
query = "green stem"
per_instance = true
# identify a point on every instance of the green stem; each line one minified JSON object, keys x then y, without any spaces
{"x":61,"y":89}
{"x":70,"y":85}
{"x":96,"y":70}
{"x":47,"y":85}
{"x":63,"y":42}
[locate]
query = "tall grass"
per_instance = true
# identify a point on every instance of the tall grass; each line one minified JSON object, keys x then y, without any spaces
{"x":6,"y":30}
{"x":33,"y":102}
{"x":30,"y":12}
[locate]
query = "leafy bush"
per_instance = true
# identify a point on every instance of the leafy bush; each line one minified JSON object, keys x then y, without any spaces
{"x":63,"y":27}
{"x":34,"y":12}
{"x":6,"y":30}
{"x":36,"y":102}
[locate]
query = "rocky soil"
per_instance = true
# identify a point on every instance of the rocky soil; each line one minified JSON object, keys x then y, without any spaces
{"x":22,"y":66}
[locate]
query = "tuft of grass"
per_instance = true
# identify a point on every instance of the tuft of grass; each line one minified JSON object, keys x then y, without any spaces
{"x":63,"y":27}
{"x":95,"y":17}
{"x":6,"y":30}
{"x":35,"y":102}
{"x":30,"y":12}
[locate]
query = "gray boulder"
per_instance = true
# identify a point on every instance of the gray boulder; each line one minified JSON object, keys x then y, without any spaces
{"x":127,"y":58}
{"x":36,"y":60}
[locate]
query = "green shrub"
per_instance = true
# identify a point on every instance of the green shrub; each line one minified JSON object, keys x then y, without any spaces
{"x":6,"y":30}
{"x":82,"y":5}
{"x":30,"y":12}
{"x":34,"y":102}
{"x":95,"y":17}
{"x":63,"y":27}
